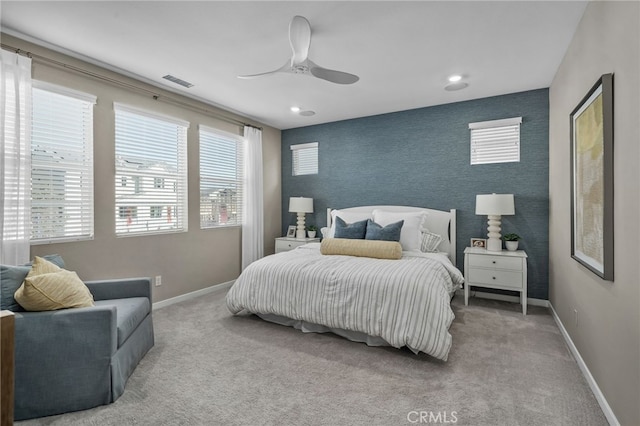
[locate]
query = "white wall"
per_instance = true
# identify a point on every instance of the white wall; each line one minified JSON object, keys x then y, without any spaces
{"x":187,"y":261}
{"x":607,"y":334}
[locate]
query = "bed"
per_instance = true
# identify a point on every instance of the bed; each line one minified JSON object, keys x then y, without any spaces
{"x":400,"y":303}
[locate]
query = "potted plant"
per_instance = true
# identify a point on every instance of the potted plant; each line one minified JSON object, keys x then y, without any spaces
{"x":311,"y":231}
{"x":511,"y":241}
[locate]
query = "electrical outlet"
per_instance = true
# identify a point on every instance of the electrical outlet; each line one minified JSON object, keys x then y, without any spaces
{"x":158,"y":280}
{"x":575,"y":316}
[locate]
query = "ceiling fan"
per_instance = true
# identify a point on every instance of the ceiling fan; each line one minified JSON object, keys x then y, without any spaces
{"x":300,"y":40}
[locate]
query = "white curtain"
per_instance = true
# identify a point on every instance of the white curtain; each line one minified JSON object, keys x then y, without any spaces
{"x":15,"y":158}
{"x":253,"y":208}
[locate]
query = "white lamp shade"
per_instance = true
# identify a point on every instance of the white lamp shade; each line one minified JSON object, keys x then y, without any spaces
{"x":495,"y":204}
{"x":300,"y":205}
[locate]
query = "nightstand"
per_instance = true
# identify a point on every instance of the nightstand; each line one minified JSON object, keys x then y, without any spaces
{"x":286,"y":244}
{"x":505,"y":270}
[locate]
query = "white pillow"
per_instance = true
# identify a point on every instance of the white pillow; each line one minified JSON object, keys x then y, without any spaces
{"x":348,"y":217}
{"x":411,"y":234}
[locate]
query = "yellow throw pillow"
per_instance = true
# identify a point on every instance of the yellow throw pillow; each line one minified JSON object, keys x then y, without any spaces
{"x":52,"y":291}
{"x":362,"y":248}
{"x":42,"y":266}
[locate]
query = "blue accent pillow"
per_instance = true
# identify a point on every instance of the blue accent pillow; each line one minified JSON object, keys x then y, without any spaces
{"x":353,"y":231}
{"x":390,"y":232}
{"x":11,"y":278}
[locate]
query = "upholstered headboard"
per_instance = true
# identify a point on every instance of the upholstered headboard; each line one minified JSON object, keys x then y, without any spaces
{"x":437,"y":221}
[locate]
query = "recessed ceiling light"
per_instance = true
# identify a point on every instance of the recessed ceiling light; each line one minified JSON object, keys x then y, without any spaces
{"x":295,"y":109}
{"x":307,"y":113}
{"x":454,"y":78}
{"x":455,"y":86}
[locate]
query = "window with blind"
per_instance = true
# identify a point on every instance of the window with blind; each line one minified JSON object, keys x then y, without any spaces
{"x":151,"y":172}
{"x":305,"y":159}
{"x":61,"y":164}
{"x":496,"y":141}
{"x":221,"y":178}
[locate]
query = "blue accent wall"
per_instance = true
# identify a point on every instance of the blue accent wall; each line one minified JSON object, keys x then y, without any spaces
{"x":421,"y":157}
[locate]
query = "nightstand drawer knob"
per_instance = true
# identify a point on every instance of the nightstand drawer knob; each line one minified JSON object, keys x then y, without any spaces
{"x":494,"y":278}
{"x":494,"y":262}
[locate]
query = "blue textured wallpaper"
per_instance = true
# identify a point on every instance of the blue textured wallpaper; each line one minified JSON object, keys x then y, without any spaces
{"x":421,"y":158}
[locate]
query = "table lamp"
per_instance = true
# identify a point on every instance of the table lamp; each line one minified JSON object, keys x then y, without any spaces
{"x":494,"y":206}
{"x":301,"y":206}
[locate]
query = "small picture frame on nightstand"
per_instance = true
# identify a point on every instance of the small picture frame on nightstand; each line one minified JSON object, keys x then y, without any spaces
{"x":291,"y":232}
{"x":479,"y":242}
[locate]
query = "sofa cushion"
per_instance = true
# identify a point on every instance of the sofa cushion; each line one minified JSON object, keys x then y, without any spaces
{"x":52,"y":291}
{"x":11,"y":278}
{"x":130,"y":313}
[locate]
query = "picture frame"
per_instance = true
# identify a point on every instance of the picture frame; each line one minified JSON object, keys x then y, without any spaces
{"x":479,"y":242}
{"x":592,"y":179}
{"x":291,"y":231}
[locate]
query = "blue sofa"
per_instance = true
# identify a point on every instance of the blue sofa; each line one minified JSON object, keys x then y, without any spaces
{"x":74,"y":359}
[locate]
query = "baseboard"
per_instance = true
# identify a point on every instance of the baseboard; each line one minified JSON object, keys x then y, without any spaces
{"x":504,"y":297}
{"x":602,"y":401}
{"x":192,"y":295}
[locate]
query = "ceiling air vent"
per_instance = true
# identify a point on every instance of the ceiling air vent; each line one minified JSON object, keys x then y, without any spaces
{"x":176,"y":80}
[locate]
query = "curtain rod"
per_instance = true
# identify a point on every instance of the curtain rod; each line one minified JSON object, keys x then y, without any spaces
{"x":116,"y":82}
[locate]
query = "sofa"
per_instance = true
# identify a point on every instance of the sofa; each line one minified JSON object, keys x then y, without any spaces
{"x":75,"y":359}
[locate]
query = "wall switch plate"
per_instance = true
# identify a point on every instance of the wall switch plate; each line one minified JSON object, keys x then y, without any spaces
{"x":158,"y":280}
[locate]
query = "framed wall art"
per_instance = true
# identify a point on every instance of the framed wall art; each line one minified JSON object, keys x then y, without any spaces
{"x":592,"y":179}
{"x":479,"y":242}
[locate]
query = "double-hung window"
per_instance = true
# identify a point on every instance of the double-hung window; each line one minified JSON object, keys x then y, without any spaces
{"x":496,"y":141}
{"x":151,"y":172}
{"x":61,"y":164}
{"x":221,"y":176}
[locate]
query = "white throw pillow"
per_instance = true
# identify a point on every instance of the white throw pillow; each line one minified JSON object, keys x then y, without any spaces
{"x":348,"y":217}
{"x":411,"y":234}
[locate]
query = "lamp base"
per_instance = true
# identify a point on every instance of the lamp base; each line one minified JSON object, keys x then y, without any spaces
{"x":301,"y":233}
{"x":494,"y":243}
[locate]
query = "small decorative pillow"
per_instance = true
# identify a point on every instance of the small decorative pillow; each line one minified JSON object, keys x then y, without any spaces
{"x":11,"y":278}
{"x":348,"y":217}
{"x":52,"y":291}
{"x":352,"y":231}
{"x":390,"y":232}
{"x":430,"y":242}
{"x":361,"y":248}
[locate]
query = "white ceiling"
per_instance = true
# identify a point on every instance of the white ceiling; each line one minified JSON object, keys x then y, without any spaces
{"x":402,"y":51}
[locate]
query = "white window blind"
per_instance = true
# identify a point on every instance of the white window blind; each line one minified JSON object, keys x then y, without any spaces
{"x":221,"y":177}
{"x":496,"y":141}
{"x":61,"y":164}
{"x":305,"y":159}
{"x":151,"y":161}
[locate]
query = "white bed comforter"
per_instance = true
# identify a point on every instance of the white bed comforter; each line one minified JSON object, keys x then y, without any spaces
{"x":406,"y":302}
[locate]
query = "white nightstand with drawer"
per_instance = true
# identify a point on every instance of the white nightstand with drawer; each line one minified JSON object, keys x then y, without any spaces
{"x":505,"y":270}
{"x":286,"y":244}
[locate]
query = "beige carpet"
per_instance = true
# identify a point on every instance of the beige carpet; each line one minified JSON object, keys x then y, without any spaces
{"x":210,"y":368}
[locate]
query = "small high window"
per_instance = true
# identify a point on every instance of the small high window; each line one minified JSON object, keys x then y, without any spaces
{"x":496,"y":141}
{"x":305,"y":159}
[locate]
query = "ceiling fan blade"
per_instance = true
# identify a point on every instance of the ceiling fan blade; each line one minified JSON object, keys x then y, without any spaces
{"x":285,"y":68}
{"x":333,"y":76}
{"x":299,"y":39}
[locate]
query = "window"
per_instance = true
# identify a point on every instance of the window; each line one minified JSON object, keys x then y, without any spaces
{"x":305,"y":159}
{"x":496,"y":141}
{"x":151,"y":150}
{"x":220,"y":178}
{"x":61,"y":164}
